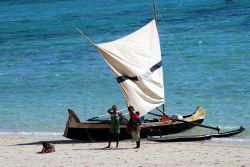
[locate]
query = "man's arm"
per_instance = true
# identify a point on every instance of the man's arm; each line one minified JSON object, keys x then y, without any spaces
{"x":121,"y":116}
{"x":109,"y":111}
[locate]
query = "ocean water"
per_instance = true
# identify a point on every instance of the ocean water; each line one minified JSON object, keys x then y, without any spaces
{"x":46,"y":67}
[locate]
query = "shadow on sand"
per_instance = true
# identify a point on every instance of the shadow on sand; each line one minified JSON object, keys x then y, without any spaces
{"x":110,"y":149}
{"x":69,"y":142}
{"x":54,"y":142}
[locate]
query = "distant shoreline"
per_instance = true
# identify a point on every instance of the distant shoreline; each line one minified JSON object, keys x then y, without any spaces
{"x":33,"y":133}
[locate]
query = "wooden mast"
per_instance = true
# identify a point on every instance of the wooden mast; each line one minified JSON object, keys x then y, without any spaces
{"x":155,"y":17}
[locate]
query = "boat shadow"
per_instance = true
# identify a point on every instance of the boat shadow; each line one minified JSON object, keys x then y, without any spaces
{"x":105,"y":149}
{"x":53,"y":142}
{"x":71,"y":142}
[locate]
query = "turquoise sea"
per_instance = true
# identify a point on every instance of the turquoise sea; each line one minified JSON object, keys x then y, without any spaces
{"x":46,"y":67}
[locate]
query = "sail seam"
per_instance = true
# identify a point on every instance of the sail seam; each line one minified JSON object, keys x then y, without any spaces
{"x":156,"y":66}
{"x":123,"y":78}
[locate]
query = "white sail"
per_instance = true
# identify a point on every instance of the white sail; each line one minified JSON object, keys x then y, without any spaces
{"x":135,"y":60}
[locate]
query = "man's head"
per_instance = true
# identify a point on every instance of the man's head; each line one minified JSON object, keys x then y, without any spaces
{"x":114,"y":108}
{"x":131,"y":109}
{"x":45,"y":144}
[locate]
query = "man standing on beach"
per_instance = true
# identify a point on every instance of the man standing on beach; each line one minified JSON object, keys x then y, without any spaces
{"x":134,"y":124}
{"x":114,"y":130}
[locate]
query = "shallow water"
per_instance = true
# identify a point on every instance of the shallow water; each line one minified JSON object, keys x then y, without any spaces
{"x":46,"y":67}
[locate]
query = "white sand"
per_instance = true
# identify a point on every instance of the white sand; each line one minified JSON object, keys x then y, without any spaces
{"x":20,"y":150}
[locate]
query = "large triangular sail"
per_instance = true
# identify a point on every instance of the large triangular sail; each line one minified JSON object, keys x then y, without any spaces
{"x":135,"y":60}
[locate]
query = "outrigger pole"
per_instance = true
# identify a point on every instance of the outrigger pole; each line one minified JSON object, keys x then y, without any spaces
{"x":204,"y":126}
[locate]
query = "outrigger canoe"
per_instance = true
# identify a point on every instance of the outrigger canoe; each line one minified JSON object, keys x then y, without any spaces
{"x":98,"y":130}
{"x":136,"y":63}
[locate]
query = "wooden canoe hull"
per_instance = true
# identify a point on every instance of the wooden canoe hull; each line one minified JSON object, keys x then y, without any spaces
{"x":99,"y":130}
{"x":102,"y":134}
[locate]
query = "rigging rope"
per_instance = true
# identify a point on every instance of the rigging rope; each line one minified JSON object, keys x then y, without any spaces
{"x":87,"y":129}
{"x":178,"y":51}
{"x":86,"y":91}
{"x":188,"y":68}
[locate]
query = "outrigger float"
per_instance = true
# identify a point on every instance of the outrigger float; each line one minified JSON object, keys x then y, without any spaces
{"x":169,"y":138}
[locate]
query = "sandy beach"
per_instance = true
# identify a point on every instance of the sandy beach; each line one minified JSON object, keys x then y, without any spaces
{"x":20,"y":150}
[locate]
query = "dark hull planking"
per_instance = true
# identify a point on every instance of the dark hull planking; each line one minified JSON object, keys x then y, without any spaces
{"x":102,"y":134}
